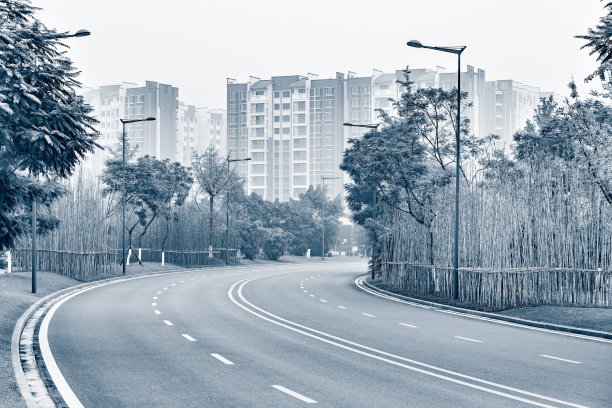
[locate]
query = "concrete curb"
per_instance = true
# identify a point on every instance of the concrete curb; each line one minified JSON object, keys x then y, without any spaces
{"x":20,"y":377}
{"x":493,"y":316}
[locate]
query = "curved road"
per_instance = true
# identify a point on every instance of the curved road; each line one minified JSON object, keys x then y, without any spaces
{"x":293,"y":334}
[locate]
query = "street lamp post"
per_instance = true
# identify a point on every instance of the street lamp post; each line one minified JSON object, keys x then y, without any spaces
{"x":79,"y":33}
{"x":125,"y":122}
{"x":453,"y":50}
{"x":374,"y":204}
{"x":227,"y":209}
{"x":323,"y":179}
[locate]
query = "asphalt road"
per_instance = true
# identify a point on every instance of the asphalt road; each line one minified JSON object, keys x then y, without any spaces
{"x":294,"y":334}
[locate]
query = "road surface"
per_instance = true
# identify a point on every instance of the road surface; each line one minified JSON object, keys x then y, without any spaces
{"x":289,"y":335}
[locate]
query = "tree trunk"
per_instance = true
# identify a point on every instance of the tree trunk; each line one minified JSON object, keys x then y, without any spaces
{"x":211,"y":203}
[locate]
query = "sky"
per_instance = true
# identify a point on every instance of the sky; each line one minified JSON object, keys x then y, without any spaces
{"x":196,"y":45}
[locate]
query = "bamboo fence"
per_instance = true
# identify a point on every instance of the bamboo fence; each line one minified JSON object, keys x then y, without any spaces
{"x":83,"y":267}
{"x":188,"y":258}
{"x":498,"y":290}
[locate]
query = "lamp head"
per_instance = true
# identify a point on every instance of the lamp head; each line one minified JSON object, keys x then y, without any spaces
{"x":149,"y":119}
{"x":414,"y":43}
{"x":82,"y":33}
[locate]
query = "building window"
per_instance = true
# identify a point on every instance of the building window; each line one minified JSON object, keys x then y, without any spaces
{"x":299,"y":106}
{"x":300,"y":130}
{"x":286,"y":94}
{"x":329,"y":103}
{"x":243,"y":107}
{"x":299,"y":143}
{"x":258,"y":156}
{"x":299,"y":155}
{"x":259,"y":93}
{"x":260,"y":132}
{"x":276,"y":119}
{"x":258,"y":107}
{"x":232,"y":108}
{"x":277,"y":131}
{"x":299,"y":180}
{"x":286,"y":106}
{"x":258,"y":144}
{"x":329,"y":91}
{"x":355,"y":102}
{"x":299,"y":118}
{"x":231,"y":120}
{"x":258,"y":181}
{"x":242,"y":95}
{"x":301,"y":90}
{"x":329,"y":128}
{"x":299,"y":167}
{"x":276,"y":106}
{"x":366,"y":90}
{"x":258,"y":168}
{"x":355,"y":90}
{"x":355,"y":115}
{"x":276,"y":94}
{"x":286,"y":118}
{"x":383,"y":87}
{"x":286,"y":131}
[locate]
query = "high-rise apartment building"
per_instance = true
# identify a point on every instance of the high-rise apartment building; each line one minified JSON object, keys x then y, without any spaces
{"x":509,"y":104}
{"x":212,"y":129}
{"x":129,"y":101}
{"x":292,"y":129}
{"x":186,"y":134}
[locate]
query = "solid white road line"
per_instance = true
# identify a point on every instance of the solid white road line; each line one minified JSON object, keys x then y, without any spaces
{"x":386,"y":357}
{"x":468,"y":339}
{"x":221,"y":359}
{"x":188,"y":337}
{"x":341,"y":307}
{"x":157,"y":312}
{"x":560,"y":359}
{"x":409,"y":325}
{"x":367,"y":314}
{"x":168,"y":322}
{"x":153,"y":304}
{"x":294,"y":394}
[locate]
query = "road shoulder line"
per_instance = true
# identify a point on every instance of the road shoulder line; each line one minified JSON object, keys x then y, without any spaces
{"x":595,"y":335}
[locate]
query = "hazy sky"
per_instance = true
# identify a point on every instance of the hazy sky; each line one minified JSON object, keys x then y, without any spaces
{"x":196,"y":45}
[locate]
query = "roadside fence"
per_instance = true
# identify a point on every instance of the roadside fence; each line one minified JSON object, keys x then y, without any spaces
{"x":499,"y":290}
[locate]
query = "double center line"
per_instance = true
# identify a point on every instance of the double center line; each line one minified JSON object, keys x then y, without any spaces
{"x":236,"y":296}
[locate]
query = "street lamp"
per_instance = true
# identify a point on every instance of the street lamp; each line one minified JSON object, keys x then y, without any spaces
{"x":125,"y":122}
{"x":369,"y":126}
{"x":323,"y":179}
{"x":79,"y":33}
{"x":453,"y":50}
{"x":227,"y":209}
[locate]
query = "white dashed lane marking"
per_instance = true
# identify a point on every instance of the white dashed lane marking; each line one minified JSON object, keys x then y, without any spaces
{"x":157,"y":312}
{"x":188,"y":337}
{"x":153,"y":304}
{"x":168,"y":322}
{"x":159,"y":293}
{"x":294,"y":394}
{"x":221,"y":359}
{"x":323,"y":300}
{"x":312,"y":295}
{"x":560,"y":359}
{"x":341,"y":307}
{"x":468,"y":339}
{"x":367,"y":314}
{"x":154,"y":297}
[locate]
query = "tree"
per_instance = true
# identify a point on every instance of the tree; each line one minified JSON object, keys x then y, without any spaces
{"x":46,"y":127}
{"x":212,"y":173}
{"x":599,"y":41}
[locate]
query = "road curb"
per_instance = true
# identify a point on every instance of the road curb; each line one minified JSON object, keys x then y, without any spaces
{"x":494,"y":316}
{"x":49,"y":300}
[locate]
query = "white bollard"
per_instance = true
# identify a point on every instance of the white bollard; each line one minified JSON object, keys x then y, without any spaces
{"x":308,"y":253}
{"x":9,"y":260}
{"x":140,"y":254}
{"x":128,"y":257}
{"x":210,"y":255}
{"x":163,"y":258}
